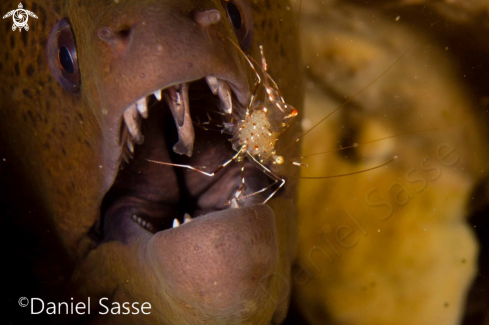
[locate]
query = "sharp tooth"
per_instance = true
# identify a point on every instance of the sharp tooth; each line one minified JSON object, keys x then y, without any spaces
{"x":130,"y":145}
{"x":142,"y":106}
{"x":124,"y":136}
{"x":133,"y":123}
{"x":125,"y":158}
{"x":176,"y":107}
{"x":212,"y":82}
{"x":234,"y":203}
{"x":176,"y":223}
{"x":187,"y":218}
{"x":178,"y":102}
{"x":142,"y":223}
{"x":224,"y":93}
{"x":158,"y":94}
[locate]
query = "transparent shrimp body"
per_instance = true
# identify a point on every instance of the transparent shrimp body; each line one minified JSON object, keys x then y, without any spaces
{"x":257,"y":133}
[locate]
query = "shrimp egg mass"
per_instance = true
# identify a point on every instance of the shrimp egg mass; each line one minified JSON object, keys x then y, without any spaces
{"x":255,"y":132}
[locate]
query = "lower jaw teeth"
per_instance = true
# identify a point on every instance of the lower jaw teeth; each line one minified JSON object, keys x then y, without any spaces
{"x":186,"y":218}
{"x":146,"y":225}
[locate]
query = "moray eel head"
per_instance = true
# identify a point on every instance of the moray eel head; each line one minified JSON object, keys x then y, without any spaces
{"x":115,"y":83}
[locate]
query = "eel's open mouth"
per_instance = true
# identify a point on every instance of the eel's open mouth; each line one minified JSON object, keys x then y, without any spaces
{"x":158,"y":197}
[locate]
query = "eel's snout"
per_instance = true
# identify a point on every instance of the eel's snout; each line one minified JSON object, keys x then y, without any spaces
{"x":124,"y":35}
{"x":223,"y":262}
{"x":160,"y":49}
{"x":157,"y":47}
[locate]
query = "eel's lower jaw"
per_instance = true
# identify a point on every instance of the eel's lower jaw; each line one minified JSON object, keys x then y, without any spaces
{"x":223,"y":262}
{"x":227,"y":257}
{"x":220,"y":268}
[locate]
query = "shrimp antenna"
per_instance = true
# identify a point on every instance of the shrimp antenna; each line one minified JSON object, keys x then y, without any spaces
{"x":247,"y":59}
{"x":367,"y":142}
{"x":360,"y":91}
{"x":358,"y":172}
{"x":258,"y":81}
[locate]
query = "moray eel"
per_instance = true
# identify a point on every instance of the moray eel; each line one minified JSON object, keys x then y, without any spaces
{"x":80,"y":115}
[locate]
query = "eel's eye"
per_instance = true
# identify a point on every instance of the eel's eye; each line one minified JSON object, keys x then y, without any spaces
{"x":62,"y":56}
{"x":240,"y":15}
{"x":234,"y":15}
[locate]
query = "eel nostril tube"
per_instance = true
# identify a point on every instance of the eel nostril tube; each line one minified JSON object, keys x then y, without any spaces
{"x":207,"y":17}
{"x":116,"y":40}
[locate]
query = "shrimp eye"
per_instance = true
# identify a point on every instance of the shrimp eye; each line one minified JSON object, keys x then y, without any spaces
{"x":62,"y":56}
{"x":240,"y":15}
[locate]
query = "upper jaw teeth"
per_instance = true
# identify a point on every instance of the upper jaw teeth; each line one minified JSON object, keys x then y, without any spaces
{"x":222,"y":89}
{"x":212,"y":83}
{"x":158,"y":94}
{"x":177,"y":98}
{"x":133,"y":123}
{"x":224,"y":93}
{"x":142,"y":106}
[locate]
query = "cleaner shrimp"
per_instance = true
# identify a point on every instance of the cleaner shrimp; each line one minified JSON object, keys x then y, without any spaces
{"x":256,"y":134}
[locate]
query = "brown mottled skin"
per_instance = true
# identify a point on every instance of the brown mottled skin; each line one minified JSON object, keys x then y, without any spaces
{"x":68,"y":151}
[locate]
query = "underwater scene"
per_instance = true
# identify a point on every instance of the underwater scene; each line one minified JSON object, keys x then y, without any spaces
{"x":309,"y":162}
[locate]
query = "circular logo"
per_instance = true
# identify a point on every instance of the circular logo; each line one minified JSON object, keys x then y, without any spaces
{"x":20,"y":17}
{"x":23,"y":301}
